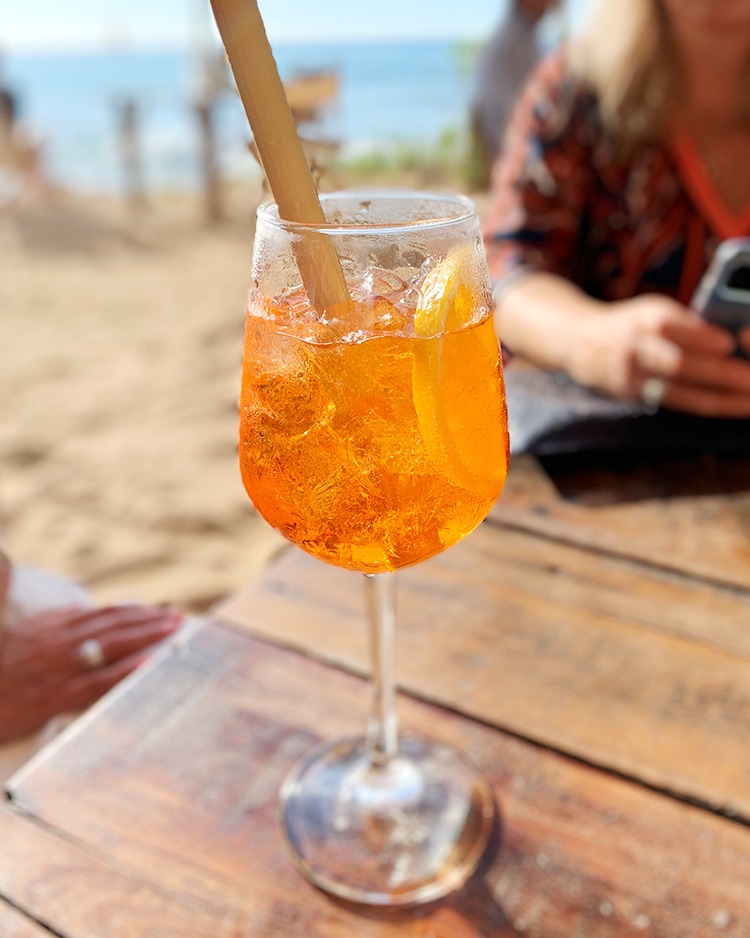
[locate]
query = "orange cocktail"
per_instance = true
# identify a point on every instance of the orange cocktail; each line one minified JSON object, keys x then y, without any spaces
{"x":373,"y":434}
{"x":375,"y":447}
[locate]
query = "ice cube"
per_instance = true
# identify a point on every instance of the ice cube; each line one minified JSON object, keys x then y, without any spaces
{"x":369,"y":316}
{"x":377,"y":281}
{"x":408,"y":302}
{"x":295,"y":305}
{"x":387,"y":317}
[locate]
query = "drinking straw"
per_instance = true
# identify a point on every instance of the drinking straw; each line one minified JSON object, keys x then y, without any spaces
{"x":279,"y":147}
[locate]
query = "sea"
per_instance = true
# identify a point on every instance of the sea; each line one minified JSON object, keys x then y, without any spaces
{"x":392,"y":94}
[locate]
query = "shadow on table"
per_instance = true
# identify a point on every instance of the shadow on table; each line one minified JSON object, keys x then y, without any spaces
{"x":597,"y":450}
{"x":471,"y":912}
{"x":612,"y":477}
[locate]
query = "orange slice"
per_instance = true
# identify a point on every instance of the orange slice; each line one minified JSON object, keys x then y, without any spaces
{"x":446,"y":301}
{"x":460,"y":411}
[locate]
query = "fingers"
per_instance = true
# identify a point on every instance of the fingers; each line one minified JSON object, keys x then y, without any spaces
{"x":657,"y":356}
{"x":44,"y":671}
{"x":697,"y":359}
{"x":132,"y":636}
{"x":701,"y":352}
{"x":105,"y":620}
{"x":703,"y":385}
{"x":706,"y":387}
{"x":706,"y":402}
{"x":46,"y":648}
{"x":731,"y":375}
{"x":695,"y":334}
{"x":88,"y":686}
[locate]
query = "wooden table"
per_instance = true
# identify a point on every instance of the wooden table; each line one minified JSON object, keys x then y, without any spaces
{"x":588,"y":647}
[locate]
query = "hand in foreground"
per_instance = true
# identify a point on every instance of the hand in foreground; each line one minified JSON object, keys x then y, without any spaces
{"x":654,"y":337}
{"x":44,"y":668}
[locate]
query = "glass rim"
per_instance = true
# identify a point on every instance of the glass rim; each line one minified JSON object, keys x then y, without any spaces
{"x":465,"y":210}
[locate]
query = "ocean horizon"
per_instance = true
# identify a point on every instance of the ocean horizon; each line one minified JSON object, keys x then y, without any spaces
{"x":395,"y":92}
{"x":392,"y":93}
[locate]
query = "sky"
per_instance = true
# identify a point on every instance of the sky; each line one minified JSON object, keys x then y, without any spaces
{"x":27,"y":25}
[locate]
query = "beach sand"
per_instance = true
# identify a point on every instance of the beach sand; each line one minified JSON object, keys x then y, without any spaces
{"x":120,"y":347}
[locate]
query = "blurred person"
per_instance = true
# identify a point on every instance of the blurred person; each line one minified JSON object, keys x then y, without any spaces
{"x":505,"y":62}
{"x":59,"y":654}
{"x":21,"y":163}
{"x":626,"y":166}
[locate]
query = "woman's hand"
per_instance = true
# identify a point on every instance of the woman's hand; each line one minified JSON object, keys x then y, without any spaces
{"x":42,"y":669}
{"x":619,"y":349}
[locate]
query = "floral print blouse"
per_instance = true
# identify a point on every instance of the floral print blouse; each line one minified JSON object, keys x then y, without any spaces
{"x":563,"y":204}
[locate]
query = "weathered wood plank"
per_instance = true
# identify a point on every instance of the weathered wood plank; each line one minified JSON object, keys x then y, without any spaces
{"x":165,"y":803}
{"x":77,"y":894}
{"x":638,"y":671}
{"x":15,"y":925}
{"x":687,"y":515}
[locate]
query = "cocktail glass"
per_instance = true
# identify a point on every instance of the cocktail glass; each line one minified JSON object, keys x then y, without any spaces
{"x":374,"y":435}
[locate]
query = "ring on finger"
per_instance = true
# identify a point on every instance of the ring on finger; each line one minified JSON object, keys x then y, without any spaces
{"x":91,"y":653}
{"x":652,"y":393}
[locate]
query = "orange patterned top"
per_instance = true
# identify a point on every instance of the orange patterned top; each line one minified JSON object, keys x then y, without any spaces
{"x":563,"y":204}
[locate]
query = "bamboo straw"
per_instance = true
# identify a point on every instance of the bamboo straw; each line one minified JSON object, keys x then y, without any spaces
{"x":279,"y":147}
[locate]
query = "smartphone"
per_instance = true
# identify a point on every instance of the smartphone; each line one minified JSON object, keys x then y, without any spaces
{"x":723,"y":295}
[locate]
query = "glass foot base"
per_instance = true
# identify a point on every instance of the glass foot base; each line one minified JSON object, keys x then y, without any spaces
{"x":404,"y":833}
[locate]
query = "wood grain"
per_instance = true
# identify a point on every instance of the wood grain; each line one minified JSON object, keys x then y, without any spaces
{"x":14,"y":924}
{"x":157,"y":816}
{"x":632,"y":669}
{"x":78,"y":894}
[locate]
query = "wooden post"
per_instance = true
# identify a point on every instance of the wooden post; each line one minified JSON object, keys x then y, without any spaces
{"x":204,"y":110}
{"x":131,"y":155}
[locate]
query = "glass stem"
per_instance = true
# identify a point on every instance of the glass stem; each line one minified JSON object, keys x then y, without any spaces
{"x":382,"y":732}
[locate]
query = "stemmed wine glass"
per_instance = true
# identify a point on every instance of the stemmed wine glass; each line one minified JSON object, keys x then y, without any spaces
{"x":374,"y":435}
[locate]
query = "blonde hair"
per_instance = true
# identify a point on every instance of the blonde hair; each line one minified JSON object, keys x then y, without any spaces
{"x":625,"y":51}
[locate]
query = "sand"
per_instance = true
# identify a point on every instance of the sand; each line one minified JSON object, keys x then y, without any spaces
{"x":120,"y":346}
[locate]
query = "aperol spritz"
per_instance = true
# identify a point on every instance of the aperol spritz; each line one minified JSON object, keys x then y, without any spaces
{"x":374,"y":435}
